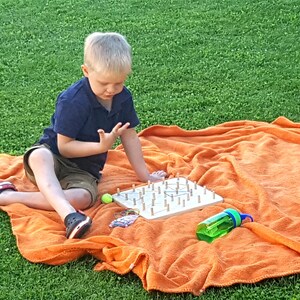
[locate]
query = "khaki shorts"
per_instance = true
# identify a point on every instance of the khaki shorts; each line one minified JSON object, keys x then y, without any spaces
{"x":68,"y":174}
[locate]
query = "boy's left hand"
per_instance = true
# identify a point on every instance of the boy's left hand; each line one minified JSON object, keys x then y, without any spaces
{"x":157,"y":176}
{"x":108,"y":139}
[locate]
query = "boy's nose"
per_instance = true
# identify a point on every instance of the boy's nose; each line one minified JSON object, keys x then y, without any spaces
{"x":111,"y":90}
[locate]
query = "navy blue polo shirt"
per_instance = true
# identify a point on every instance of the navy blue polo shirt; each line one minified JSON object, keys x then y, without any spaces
{"x":79,"y":115}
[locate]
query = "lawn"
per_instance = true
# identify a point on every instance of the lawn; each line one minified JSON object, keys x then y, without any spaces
{"x":195,"y":64}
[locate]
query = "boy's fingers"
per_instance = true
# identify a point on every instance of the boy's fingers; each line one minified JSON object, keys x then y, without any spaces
{"x":116,"y":128}
{"x":101,"y":133}
{"x":124,"y":127}
{"x":119,"y":128}
{"x":159,"y":173}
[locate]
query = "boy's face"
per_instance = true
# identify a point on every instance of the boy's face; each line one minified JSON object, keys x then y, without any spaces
{"x":104,"y":85}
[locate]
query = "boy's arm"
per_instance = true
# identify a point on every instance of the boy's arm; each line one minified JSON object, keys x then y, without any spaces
{"x":71,"y":148}
{"x":133,"y":150}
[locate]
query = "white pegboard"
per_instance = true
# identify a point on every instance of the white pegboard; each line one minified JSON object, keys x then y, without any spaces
{"x":166,"y":198}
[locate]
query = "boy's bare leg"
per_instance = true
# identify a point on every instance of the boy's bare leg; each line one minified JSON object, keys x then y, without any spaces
{"x":51,"y":195}
{"x":76,"y":197}
{"x":42,"y":164}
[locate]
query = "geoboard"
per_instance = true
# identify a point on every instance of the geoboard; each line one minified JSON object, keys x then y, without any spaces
{"x":166,"y":198}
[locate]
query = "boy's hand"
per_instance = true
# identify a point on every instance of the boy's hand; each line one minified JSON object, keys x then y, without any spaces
{"x":108,"y":139}
{"x":157,"y":176}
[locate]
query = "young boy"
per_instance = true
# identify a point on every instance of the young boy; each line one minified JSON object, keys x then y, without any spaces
{"x":90,"y":115}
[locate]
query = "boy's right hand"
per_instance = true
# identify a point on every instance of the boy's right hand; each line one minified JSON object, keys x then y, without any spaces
{"x":108,"y":139}
{"x":157,"y":176}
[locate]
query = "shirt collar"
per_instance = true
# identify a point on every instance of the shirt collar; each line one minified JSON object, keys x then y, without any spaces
{"x":117,"y":99}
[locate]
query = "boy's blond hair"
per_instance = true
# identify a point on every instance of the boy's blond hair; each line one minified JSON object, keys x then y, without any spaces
{"x":107,"y":52}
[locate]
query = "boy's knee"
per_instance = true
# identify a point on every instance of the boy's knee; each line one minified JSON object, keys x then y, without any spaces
{"x":40,"y":155}
{"x":82,"y":200}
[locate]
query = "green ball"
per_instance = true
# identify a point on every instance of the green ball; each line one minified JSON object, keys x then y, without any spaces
{"x":107,"y":198}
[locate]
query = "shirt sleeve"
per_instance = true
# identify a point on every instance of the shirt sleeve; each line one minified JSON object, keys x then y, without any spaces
{"x":129,"y":114}
{"x":69,"y":117}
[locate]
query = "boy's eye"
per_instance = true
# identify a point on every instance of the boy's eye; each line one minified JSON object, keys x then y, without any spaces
{"x":107,"y":84}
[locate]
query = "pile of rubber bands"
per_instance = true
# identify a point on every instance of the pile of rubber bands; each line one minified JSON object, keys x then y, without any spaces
{"x":125,"y":218}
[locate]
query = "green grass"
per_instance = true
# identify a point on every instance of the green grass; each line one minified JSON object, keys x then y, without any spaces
{"x":196,"y":64}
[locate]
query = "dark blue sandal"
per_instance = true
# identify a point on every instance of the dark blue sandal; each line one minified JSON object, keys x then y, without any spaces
{"x":77,"y":224}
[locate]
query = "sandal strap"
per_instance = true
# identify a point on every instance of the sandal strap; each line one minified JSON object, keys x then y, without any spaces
{"x":6,"y":185}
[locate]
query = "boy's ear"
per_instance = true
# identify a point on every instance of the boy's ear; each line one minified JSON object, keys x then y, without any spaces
{"x":85,"y":70}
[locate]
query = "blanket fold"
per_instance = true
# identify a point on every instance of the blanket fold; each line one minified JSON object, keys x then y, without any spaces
{"x":253,"y":165}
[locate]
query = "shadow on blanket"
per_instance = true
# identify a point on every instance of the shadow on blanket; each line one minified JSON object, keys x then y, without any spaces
{"x":253,"y":165}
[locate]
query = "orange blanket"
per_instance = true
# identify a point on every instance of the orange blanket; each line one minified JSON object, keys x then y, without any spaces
{"x":253,"y":165}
